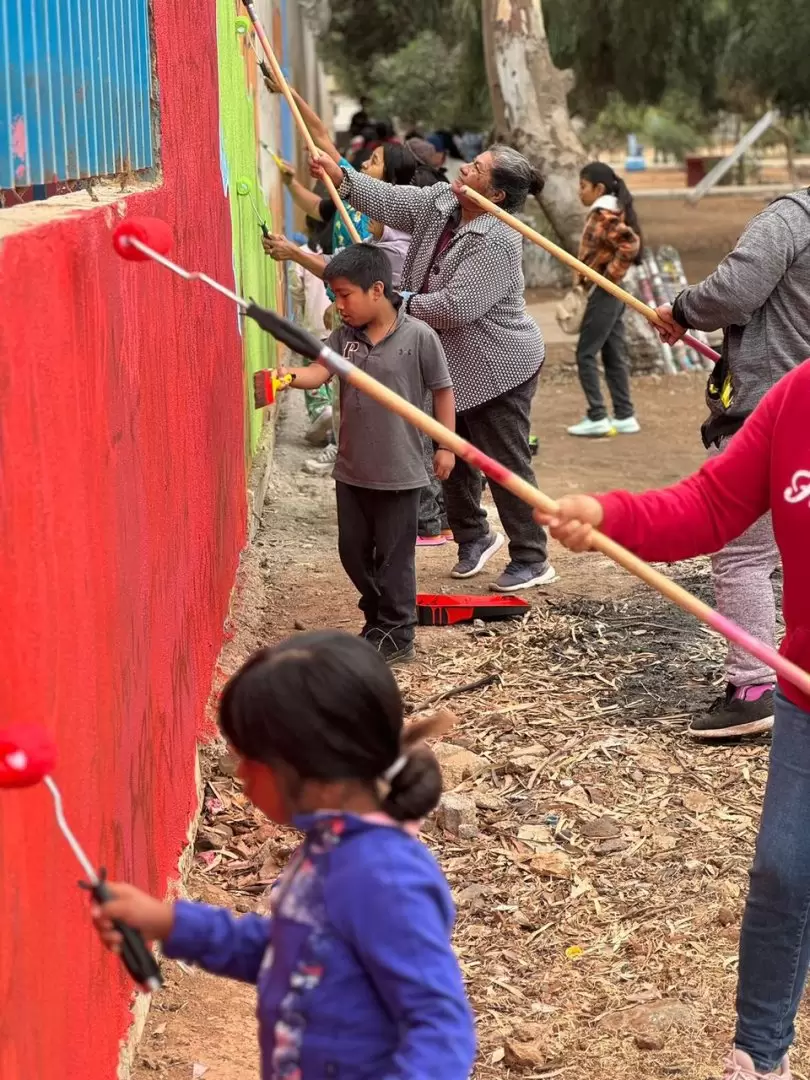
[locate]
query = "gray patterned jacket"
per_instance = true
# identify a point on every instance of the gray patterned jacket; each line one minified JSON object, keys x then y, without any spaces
{"x":475,"y":300}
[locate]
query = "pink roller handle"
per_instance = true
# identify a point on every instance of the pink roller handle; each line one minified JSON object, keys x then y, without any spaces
{"x":701,"y":347}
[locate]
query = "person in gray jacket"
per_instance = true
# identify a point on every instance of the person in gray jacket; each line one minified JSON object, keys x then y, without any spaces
{"x":463,"y":276}
{"x":760,"y":297}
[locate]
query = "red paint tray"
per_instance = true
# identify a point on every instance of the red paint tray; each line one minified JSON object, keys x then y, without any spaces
{"x":440,"y":610}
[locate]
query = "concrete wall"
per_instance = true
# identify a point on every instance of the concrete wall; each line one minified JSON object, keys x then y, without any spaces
{"x":124,"y":431}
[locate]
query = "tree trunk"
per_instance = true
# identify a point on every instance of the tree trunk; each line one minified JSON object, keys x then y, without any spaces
{"x":499,"y":124}
{"x":534,"y":99}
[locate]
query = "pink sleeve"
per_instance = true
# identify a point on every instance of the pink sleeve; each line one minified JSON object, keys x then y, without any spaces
{"x":702,"y":513}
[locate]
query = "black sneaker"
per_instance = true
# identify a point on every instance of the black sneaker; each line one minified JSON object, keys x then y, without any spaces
{"x":519,"y":576}
{"x":733,"y":715}
{"x":475,"y":554}
{"x":392,"y":649}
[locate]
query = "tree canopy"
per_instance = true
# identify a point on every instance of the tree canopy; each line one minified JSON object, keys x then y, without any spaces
{"x":702,"y":55}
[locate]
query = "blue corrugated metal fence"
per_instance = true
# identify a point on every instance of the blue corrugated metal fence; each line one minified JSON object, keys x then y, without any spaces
{"x":75,"y":79}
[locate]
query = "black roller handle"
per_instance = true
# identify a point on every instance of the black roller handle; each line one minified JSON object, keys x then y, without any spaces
{"x":136,"y":957}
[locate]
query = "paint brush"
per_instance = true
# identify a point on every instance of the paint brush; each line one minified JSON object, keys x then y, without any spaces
{"x":266,"y":385}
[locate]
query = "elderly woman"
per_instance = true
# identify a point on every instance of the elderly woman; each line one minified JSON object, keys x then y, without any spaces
{"x":463,"y":276}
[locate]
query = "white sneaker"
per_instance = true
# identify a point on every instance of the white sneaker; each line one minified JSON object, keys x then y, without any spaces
{"x":323,"y":464}
{"x":630,"y":426}
{"x":592,"y":429}
{"x":320,"y":428}
{"x":739,"y":1066}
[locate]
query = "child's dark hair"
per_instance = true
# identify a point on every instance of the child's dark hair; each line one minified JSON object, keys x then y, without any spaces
{"x":327,"y":705}
{"x":314,"y":230}
{"x":597,"y":172}
{"x":425,"y":176}
{"x":362,"y":265}
{"x":399,"y":164}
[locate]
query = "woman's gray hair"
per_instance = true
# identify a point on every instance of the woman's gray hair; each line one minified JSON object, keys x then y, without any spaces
{"x":514,"y":176}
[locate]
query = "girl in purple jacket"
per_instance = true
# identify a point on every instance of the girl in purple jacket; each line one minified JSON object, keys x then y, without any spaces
{"x":355,"y":973}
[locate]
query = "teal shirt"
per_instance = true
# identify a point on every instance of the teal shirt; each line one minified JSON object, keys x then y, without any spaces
{"x":340,"y":234}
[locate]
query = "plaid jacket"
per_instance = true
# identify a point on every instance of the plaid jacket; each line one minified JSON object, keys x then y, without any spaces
{"x":608,"y":244}
{"x":475,"y":301}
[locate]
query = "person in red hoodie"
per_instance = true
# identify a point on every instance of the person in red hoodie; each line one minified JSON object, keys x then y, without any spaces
{"x":766,"y":467}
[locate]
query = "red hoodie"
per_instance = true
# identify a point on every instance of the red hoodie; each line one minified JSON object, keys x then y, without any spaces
{"x":766,"y":467}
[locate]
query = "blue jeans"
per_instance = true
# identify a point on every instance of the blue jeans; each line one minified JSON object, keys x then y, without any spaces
{"x":775,"y":941}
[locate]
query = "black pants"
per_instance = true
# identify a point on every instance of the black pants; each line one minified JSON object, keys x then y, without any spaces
{"x":377,"y":545}
{"x":501,"y":429}
{"x":603,"y":331}
{"x":432,"y":515}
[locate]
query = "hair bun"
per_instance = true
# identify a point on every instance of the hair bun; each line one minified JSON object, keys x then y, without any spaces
{"x":538,"y":182}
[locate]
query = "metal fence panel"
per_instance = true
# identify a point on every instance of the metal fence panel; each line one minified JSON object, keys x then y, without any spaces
{"x":75,"y":81}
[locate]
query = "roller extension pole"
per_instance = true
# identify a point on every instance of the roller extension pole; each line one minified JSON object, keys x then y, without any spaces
{"x":581,"y":268}
{"x":284,"y":86}
{"x":304,"y":343}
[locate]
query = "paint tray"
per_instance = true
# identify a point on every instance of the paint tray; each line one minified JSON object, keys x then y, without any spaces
{"x":441,"y":610}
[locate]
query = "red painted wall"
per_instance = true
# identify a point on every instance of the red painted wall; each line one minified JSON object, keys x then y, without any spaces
{"x":122,"y":513}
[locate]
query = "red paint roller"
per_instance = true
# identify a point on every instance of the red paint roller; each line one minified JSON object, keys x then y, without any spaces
{"x":300,"y":341}
{"x":138,"y":239}
{"x":151,"y":231}
{"x":27,"y":757}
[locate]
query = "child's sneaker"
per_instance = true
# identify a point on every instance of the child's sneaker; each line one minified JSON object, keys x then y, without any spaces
{"x":431,"y":541}
{"x":629,"y":426}
{"x":745,"y":710}
{"x":739,"y":1066}
{"x":475,"y":554}
{"x":393,"y":650}
{"x":323,"y":464}
{"x":592,"y":429}
{"x":321,"y":428}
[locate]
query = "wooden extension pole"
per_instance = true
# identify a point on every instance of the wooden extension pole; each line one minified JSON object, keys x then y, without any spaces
{"x":284,"y":86}
{"x":531,"y":495}
{"x":648,"y":312}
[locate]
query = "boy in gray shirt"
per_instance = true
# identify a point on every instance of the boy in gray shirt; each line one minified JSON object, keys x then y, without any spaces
{"x":380,"y":471}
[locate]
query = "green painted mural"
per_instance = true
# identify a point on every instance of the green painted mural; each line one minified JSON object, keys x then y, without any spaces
{"x":256,"y":275}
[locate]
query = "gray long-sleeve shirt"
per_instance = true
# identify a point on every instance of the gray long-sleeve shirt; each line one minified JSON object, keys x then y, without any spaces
{"x":472,"y":294}
{"x":760,"y":296}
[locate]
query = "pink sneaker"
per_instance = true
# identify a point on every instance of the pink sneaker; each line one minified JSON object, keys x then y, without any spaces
{"x":430,"y":541}
{"x":739,"y":1066}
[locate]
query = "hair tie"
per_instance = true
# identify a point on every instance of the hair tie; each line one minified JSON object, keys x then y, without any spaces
{"x":393,"y":771}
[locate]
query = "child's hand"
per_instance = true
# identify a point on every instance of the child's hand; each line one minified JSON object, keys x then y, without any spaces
{"x":444,"y":461}
{"x":321,"y":165}
{"x":135,"y":908}
{"x":281,"y":374}
{"x":671,"y":332}
{"x":574,"y":521}
{"x":278,"y":247}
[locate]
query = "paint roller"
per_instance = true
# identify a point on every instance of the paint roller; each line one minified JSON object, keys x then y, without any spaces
{"x":648,"y":312}
{"x":143,"y":238}
{"x":242,"y":27}
{"x":27,"y":758}
{"x":284,"y":87}
{"x":245,"y":189}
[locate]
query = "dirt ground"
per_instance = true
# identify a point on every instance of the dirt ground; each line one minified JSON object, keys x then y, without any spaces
{"x":599,"y":902}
